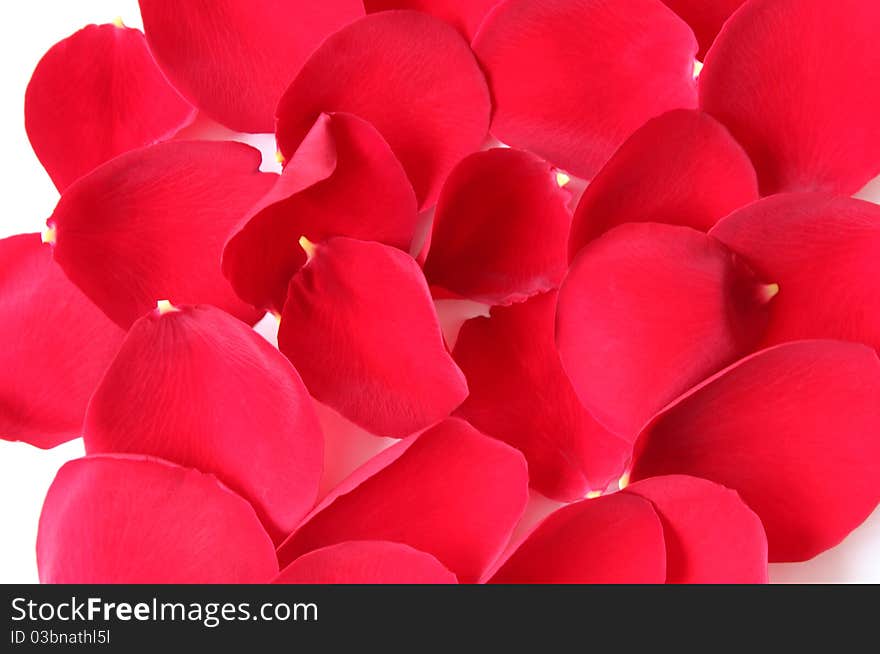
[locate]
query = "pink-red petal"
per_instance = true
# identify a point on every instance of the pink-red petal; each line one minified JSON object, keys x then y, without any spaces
{"x":706,"y":17}
{"x":464,"y":15}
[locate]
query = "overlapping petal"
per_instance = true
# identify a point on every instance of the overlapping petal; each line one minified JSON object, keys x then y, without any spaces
{"x":464,"y":15}
{"x":706,"y":17}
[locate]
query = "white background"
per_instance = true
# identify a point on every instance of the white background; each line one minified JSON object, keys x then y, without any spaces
{"x":27,"y":30}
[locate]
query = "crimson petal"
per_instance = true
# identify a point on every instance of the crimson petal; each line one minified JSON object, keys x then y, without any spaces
{"x":360,"y":327}
{"x":465,"y":15}
{"x":706,"y":17}
{"x":410,"y":75}
{"x":234,"y":59}
{"x":150,"y":225}
{"x":450,"y":491}
{"x":793,"y":429}
{"x":649,"y":310}
{"x":571,"y":79}
{"x":94,"y":95}
{"x":797,"y":82}
{"x":132,"y":519}
{"x":56,"y":345}
{"x":500,"y":228}
{"x":682,"y":168}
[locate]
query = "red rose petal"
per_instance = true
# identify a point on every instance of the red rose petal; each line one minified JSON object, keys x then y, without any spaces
{"x":824,"y":253}
{"x":360,"y":327}
{"x":130,"y":519}
{"x":793,"y":429}
{"x":712,"y":537}
{"x":797,"y":82}
{"x":571,"y":79}
{"x":682,"y":168}
{"x":200,"y":388}
{"x":649,"y":310}
{"x":234,"y":59}
{"x":366,"y":562}
{"x":705,"y":17}
{"x":94,"y":95}
{"x":615,"y":539}
{"x":56,"y":345}
{"x":500,"y":228}
{"x":410,"y":75}
{"x":343,"y":181}
{"x":520,"y":394}
{"x":464,"y":15}
{"x":452,"y":493}
{"x":150,"y":225}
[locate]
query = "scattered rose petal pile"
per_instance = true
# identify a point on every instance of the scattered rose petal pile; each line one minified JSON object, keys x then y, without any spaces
{"x":530,"y":241}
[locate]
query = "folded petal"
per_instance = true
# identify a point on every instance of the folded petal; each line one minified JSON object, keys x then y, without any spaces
{"x":464,"y":15}
{"x":824,"y":253}
{"x":500,"y":228}
{"x":520,"y":394}
{"x":366,"y":562}
{"x":342,"y":181}
{"x":682,"y":168}
{"x":360,"y":327}
{"x":150,"y":225}
{"x":120,"y":519}
{"x":613,"y":539}
{"x":649,"y":310}
{"x":712,"y":537}
{"x":94,"y":95}
{"x":234,"y":59}
{"x":410,"y":75}
{"x":797,"y":82}
{"x":706,"y":17}
{"x":571,"y":79}
{"x":195,"y":386}
{"x":56,"y":345}
{"x":452,"y":492}
{"x":793,"y":429}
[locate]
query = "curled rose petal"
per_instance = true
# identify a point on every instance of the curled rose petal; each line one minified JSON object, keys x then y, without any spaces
{"x":450,"y":492}
{"x":571,"y":79}
{"x":649,"y":310}
{"x":798,"y":441}
{"x":94,"y":95}
{"x":464,"y":15}
{"x":366,"y":562}
{"x":56,"y":345}
{"x":234,"y":59}
{"x":342,"y":181}
{"x":520,"y":394}
{"x":712,"y":537}
{"x":615,"y":539}
{"x":824,"y":253}
{"x":120,"y":519}
{"x":195,"y":386}
{"x":682,"y":168}
{"x":410,"y":75}
{"x":706,"y":17}
{"x":797,"y":82}
{"x":360,"y":327}
{"x":500,"y":228}
{"x":150,"y":225}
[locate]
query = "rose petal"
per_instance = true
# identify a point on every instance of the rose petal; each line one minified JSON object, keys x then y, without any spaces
{"x":234,"y":59}
{"x":824,"y":253}
{"x":198,"y":387}
{"x":500,"y":228}
{"x":571,"y":79}
{"x":56,"y":345}
{"x":150,"y":225}
{"x":452,"y":493}
{"x":363,"y":194}
{"x":131,"y":519}
{"x":682,"y":168}
{"x":649,"y":310}
{"x":712,"y":537}
{"x":410,"y":75}
{"x":464,"y":15}
{"x":615,"y":538}
{"x":705,"y":17}
{"x":360,"y":327}
{"x":94,"y":95}
{"x":520,"y":394}
{"x":793,"y":429}
{"x":797,"y":82}
{"x":366,"y":562}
